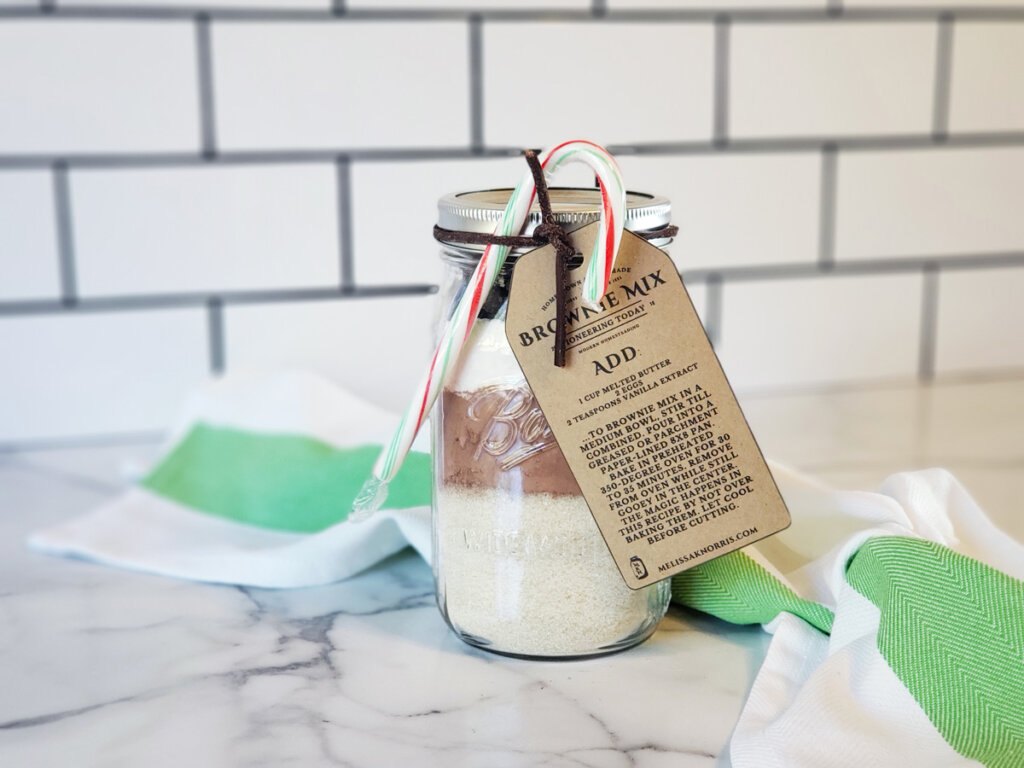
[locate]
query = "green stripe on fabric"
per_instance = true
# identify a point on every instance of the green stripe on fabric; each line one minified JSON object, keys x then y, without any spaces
{"x":285,"y":482}
{"x":737,"y":589}
{"x":952,"y":629}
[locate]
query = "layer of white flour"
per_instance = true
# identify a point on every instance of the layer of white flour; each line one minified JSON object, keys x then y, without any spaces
{"x":532,"y":575}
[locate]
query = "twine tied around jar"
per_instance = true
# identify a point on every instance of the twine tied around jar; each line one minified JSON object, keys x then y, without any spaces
{"x":548,"y":232}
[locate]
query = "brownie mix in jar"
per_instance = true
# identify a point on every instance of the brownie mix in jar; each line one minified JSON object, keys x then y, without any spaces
{"x":520,"y":565}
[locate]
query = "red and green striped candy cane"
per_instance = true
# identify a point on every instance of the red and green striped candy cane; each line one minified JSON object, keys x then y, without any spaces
{"x":459,"y":326}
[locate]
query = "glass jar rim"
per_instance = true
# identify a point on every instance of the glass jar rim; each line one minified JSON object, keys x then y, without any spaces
{"x":573,"y":207}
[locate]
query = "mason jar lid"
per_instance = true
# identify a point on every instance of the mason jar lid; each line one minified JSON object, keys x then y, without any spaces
{"x":572,"y":208}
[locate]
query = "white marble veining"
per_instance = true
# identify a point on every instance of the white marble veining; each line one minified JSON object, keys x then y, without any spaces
{"x":102,"y":667}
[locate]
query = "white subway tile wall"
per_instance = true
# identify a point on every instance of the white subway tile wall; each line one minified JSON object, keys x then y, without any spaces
{"x":778,"y":195}
{"x":203,"y":229}
{"x":833,"y":330}
{"x":832,"y":79}
{"x":28,"y":239}
{"x":321,"y":5}
{"x":914,"y":203}
{"x":989,"y":59}
{"x":337,"y":84}
{"x":853,"y":4}
{"x":469,"y":5}
{"x":194,"y":187}
{"x":81,"y":86}
{"x":717,"y":5}
{"x":699,"y":296}
{"x":78,"y":375}
{"x":375,"y":349}
{"x":981,"y":320}
{"x":621,"y":83}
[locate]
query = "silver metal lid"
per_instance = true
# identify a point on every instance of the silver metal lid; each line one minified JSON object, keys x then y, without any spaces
{"x":572,"y":207}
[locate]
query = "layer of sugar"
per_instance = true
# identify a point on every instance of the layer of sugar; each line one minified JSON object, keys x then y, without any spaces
{"x":486,"y":360}
{"x":531,"y":574}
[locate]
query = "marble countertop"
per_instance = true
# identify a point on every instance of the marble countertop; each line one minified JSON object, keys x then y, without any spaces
{"x":101,"y":667}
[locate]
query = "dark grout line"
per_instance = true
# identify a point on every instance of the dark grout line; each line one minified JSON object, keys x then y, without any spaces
{"x":851,"y":267}
{"x":720,"y":125}
{"x":180,"y":300}
{"x":64,"y":223}
{"x":713,"y":308}
{"x":929,"y":322}
{"x":790,"y":144}
{"x":346,"y":256}
{"x":249,"y":157}
{"x":215,"y":331}
{"x":204,"y":70}
{"x":943,"y":75}
{"x":827,"y":207}
{"x":476,"y":84}
{"x":337,"y":11}
{"x":786,"y":145}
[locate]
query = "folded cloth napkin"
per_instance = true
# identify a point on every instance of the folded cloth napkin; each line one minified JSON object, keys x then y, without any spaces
{"x":897,"y":616}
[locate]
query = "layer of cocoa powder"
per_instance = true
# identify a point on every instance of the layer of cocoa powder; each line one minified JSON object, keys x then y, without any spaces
{"x":543,"y":472}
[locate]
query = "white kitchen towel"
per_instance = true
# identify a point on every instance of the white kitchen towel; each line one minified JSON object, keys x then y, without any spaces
{"x":898,"y":621}
{"x":258,"y":475}
{"x":898,"y":616}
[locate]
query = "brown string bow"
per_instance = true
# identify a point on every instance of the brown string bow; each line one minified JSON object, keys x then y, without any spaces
{"x":548,"y":232}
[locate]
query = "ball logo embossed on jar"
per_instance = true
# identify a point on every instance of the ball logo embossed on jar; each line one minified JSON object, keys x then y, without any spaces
{"x":514,"y":425}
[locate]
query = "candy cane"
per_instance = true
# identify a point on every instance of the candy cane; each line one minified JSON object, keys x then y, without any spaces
{"x":457,"y":330}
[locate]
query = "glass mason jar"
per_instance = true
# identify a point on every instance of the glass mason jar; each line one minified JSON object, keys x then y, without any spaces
{"x":519,"y":564}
